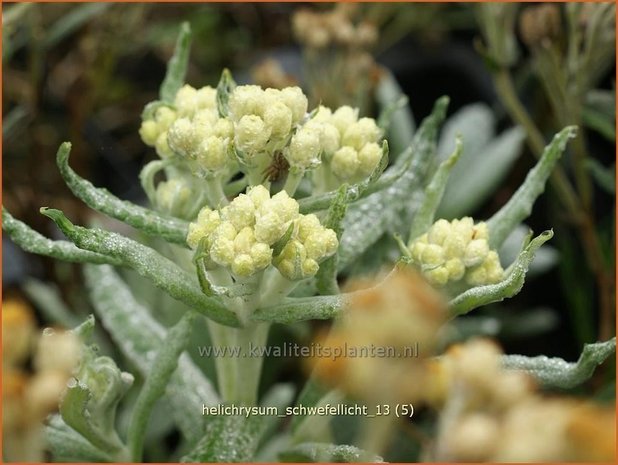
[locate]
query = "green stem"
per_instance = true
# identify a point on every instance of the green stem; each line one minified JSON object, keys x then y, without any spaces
{"x":214,"y":192}
{"x":238,"y":368}
{"x":162,"y":369}
{"x":292,"y":181}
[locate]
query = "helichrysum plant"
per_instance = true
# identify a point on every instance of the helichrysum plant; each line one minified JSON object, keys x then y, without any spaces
{"x":266,"y":204}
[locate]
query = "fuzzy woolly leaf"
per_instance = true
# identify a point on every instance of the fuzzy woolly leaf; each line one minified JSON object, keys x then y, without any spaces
{"x":163,"y":273}
{"x":508,"y":287}
{"x":66,"y":445}
{"x":144,"y":219}
{"x":139,"y":336}
{"x":327,"y":453}
{"x":33,"y":242}
{"x":163,"y":366}
{"x":228,"y":439}
{"x":557,"y":373}
{"x":177,"y":66}
{"x":479,"y":173}
{"x":326,"y":278}
{"x":74,"y":411}
{"x":224,"y":89}
{"x":433,"y":193}
{"x":303,"y":308}
{"x":520,"y":205}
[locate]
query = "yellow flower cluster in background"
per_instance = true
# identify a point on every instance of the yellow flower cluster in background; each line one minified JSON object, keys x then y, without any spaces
{"x":28,"y":397}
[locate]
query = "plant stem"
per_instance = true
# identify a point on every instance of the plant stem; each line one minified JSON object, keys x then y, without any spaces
{"x":214,"y":192}
{"x":238,"y":366}
{"x":292,"y":181}
{"x":160,"y":373}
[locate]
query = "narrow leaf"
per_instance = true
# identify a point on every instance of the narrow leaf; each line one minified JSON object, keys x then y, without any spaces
{"x":520,"y":205}
{"x":228,"y":438}
{"x":327,"y":453}
{"x":510,"y":286}
{"x":224,"y":89}
{"x":73,"y":409}
{"x":144,"y":219}
{"x":326,"y":278}
{"x":164,"y":273}
{"x":303,"y":308}
{"x":139,"y":336}
{"x":433,"y":193}
{"x":177,"y":66}
{"x":557,"y":373}
{"x":66,"y":445}
{"x":33,"y":242}
{"x":163,"y":366}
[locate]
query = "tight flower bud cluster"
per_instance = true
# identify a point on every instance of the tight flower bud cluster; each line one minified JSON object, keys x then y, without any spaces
{"x":242,"y":235}
{"x":455,"y":251}
{"x":263,"y":119}
{"x":199,"y":134}
{"x":358,"y":153}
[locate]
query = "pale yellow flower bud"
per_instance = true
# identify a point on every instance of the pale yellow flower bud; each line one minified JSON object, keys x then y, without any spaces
{"x":369,"y":157}
{"x":304,"y":149}
{"x":345,"y":163}
{"x":251,"y":134}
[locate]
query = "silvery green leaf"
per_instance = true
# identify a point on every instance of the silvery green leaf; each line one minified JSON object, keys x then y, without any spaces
{"x":508,"y":287}
{"x":295,"y":309}
{"x":33,"y":242}
{"x":177,"y":66}
{"x":433,"y":193}
{"x":556,"y":372}
{"x":47,"y":298}
{"x":161,"y":370}
{"x":279,"y":396}
{"x":475,"y":124}
{"x":144,"y":219}
{"x":224,"y":89}
{"x":75,"y":413}
{"x":66,"y":445}
{"x":479,"y":173}
{"x":544,"y":259}
{"x":396,"y":117}
{"x":326,"y":277}
{"x":520,"y":205}
{"x":391,"y":209}
{"x":163,"y":273}
{"x":315,"y":428}
{"x":327,"y":453}
{"x":228,"y":438}
{"x":138,"y":336}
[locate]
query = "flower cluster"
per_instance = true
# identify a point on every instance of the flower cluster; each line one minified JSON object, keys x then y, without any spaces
{"x":263,"y":119}
{"x":402,"y":313}
{"x":350,"y":144}
{"x":27,"y":398}
{"x":456,"y":250}
{"x":192,"y":130}
{"x":321,"y":29}
{"x":499,"y":417}
{"x":199,"y":135}
{"x":243,"y":235}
